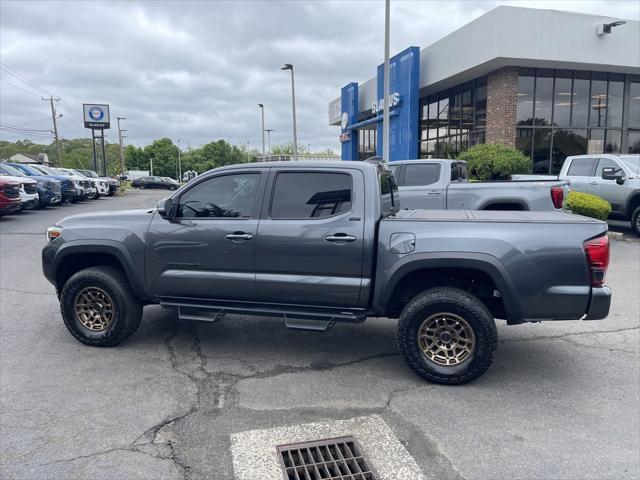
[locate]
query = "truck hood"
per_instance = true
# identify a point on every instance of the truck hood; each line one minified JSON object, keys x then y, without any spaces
{"x":119,"y":218}
{"x":18,"y":179}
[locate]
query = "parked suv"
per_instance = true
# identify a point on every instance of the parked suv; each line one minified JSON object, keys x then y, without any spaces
{"x":112,"y":183}
{"x":67,"y":188}
{"x":49,"y":189}
{"x":616,"y":178}
{"x":28,"y":189}
{"x":9,"y":195}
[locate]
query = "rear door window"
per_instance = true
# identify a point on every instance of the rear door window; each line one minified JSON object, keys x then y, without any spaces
{"x":421,"y":174}
{"x":582,"y":167}
{"x":302,"y":195}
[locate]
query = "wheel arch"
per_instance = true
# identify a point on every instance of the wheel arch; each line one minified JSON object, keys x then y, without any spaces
{"x":633,"y":203}
{"x":75,"y":256}
{"x":456,"y":265}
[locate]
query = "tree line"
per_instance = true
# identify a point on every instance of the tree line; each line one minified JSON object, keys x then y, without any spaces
{"x":77,"y":153}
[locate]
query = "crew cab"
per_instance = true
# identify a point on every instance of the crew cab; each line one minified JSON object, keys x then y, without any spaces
{"x":324,"y":242}
{"x":437,"y":184}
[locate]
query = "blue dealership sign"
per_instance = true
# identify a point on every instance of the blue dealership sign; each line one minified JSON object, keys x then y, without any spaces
{"x":349,"y":107}
{"x":404,"y":98}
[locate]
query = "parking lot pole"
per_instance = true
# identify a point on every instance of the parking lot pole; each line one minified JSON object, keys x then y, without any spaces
{"x":93,"y":144}
{"x":179,"y":164}
{"x":385,"y":93}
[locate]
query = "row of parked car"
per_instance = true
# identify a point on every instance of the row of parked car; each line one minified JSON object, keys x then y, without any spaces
{"x":31,"y":186}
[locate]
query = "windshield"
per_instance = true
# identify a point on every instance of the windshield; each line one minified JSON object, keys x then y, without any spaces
{"x":632,"y":162}
{"x":29,"y":170}
{"x":40,"y":170}
{"x":9,"y":170}
{"x":88,"y":173}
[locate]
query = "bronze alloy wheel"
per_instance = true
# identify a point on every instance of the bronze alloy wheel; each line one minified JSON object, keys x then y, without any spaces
{"x":94,"y":309}
{"x":446,"y":339}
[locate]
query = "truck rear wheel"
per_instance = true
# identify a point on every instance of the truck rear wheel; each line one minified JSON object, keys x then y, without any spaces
{"x":98,"y":306}
{"x":447,"y":336}
{"x":635,"y":221}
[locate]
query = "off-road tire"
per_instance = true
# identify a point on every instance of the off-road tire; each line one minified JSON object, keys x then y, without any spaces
{"x":462,"y":304}
{"x":127,"y":308}
{"x":141,"y":187}
{"x":635,"y":221}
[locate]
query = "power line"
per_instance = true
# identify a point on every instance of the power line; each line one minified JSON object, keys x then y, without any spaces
{"x":18,"y":127}
{"x":34,"y":121}
{"x":19,"y":76}
{"x":19,"y":88}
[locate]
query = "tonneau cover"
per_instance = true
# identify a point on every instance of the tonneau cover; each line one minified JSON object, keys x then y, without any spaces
{"x":490,"y":216}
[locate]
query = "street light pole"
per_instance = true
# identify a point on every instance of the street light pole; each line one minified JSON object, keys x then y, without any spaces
{"x":262,"y":111}
{"x":269,"y":130}
{"x":120,"y":137}
{"x":385,"y":93}
{"x":179,"y":164}
{"x":288,"y":66}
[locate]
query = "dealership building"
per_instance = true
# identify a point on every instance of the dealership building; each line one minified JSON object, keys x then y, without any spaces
{"x":547,"y":82}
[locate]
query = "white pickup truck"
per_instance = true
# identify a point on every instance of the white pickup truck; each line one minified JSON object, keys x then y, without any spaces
{"x":436,"y":184}
{"x":614,"y":177}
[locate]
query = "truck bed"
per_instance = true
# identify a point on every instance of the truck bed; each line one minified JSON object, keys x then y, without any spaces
{"x":492,"y":216}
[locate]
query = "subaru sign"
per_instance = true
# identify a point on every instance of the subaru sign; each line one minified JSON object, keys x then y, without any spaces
{"x":96,"y":116}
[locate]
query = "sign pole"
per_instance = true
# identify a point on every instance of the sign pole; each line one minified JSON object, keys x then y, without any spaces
{"x":93,"y":144}
{"x":104,"y":155}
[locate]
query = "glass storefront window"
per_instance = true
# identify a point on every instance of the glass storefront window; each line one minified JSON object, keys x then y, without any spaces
{"x":524,"y":137}
{"x":524,"y":109}
{"x":634,"y":105}
{"x":541,"y":150}
{"x":580,"y":99}
{"x":567,"y":142}
{"x":480,"y":119}
{"x":596,"y":141}
{"x":562,"y":99}
{"x":612,"y":141}
{"x":615,"y":96}
{"x":599,"y":102}
{"x":544,"y":95}
{"x":467,"y":107}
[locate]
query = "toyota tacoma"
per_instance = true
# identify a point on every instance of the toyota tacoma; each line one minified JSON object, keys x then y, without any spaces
{"x":324,"y":242}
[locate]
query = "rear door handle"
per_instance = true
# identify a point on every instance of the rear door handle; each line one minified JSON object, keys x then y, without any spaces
{"x":593,"y":183}
{"x":433,"y":192}
{"x":340,"y":237}
{"x":237,"y":236}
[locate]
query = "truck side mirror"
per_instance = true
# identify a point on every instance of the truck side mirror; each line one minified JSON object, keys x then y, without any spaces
{"x":164,"y":207}
{"x":613,"y":173}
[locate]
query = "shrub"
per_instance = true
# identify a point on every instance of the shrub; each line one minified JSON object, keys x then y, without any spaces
{"x":491,"y":161}
{"x":588,"y":205}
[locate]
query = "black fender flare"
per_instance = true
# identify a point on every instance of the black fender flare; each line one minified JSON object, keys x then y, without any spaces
{"x":109,"y":247}
{"x":482,"y":262}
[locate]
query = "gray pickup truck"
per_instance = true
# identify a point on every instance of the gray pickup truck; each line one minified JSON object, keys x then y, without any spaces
{"x":324,"y":242}
{"x":436,"y":184}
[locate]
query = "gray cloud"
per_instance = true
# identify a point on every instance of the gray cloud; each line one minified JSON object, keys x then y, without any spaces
{"x":196,"y":70}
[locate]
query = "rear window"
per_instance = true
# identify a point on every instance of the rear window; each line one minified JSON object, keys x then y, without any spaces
{"x":582,"y":167}
{"x":301,"y":195}
{"x":421,"y":174}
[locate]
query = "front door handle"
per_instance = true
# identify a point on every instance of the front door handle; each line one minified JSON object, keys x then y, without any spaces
{"x":237,"y":236}
{"x":593,"y":183}
{"x":340,"y":237}
{"x":433,"y":192}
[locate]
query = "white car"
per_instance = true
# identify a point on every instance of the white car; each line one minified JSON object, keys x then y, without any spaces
{"x":88,"y":186}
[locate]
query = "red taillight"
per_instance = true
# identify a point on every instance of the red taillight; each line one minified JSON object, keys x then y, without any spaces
{"x":557,"y":196}
{"x":597,"y":251}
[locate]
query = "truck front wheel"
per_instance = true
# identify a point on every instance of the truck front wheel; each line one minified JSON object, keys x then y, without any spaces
{"x":98,"y":306}
{"x":635,"y":221}
{"x":447,"y":336}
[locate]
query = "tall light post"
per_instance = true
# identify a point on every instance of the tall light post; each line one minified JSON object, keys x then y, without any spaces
{"x":261,"y":106}
{"x":120,"y":137}
{"x":269,"y":130}
{"x":385,"y":88}
{"x":179,"y":164}
{"x":288,"y":66}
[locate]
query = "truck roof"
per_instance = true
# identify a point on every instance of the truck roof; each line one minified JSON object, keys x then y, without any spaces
{"x":304,"y":164}
{"x":424,"y":160}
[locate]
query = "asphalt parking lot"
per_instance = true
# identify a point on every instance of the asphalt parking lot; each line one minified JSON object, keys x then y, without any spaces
{"x":199,"y":400}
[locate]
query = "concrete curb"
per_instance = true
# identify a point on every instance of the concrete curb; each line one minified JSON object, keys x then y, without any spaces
{"x":616,"y":236}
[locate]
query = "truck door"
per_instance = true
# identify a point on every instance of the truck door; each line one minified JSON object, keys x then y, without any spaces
{"x":423,"y":186}
{"x":207,"y":250}
{"x":608,"y":189}
{"x":311,"y":238}
{"x":581,"y":173}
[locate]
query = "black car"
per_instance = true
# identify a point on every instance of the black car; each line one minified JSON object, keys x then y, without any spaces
{"x":154,"y":182}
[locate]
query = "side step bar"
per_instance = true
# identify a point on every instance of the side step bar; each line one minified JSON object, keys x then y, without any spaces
{"x":298,"y":318}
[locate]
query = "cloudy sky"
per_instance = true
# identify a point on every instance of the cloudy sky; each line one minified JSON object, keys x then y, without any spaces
{"x":196,"y":71}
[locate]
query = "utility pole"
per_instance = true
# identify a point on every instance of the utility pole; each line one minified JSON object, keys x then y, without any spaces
{"x":120,"y":137}
{"x":55,"y":126}
{"x":385,"y":88}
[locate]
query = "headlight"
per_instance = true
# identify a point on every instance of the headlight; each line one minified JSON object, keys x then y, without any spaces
{"x":77,"y":184}
{"x":53,"y":233}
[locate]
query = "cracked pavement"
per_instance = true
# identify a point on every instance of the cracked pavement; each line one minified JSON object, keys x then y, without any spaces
{"x":560,"y":401}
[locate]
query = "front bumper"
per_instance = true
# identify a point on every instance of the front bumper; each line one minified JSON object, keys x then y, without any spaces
{"x":599,"y":304}
{"x":28,"y":201}
{"x":10,"y":207}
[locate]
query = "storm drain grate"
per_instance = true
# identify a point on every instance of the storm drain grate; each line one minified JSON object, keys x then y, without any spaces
{"x":329,"y":459}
